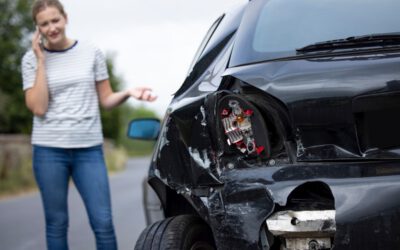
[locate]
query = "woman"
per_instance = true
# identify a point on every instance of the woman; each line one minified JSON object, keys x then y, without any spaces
{"x":64,"y":81}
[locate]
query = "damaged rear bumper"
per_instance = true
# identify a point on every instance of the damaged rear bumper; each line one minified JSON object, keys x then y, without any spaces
{"x":362,"y":213}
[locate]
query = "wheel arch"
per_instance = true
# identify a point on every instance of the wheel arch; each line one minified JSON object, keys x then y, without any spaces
{"x":172,"y":203}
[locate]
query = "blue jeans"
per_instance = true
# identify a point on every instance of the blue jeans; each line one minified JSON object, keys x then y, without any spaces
{"x":53,"y":168}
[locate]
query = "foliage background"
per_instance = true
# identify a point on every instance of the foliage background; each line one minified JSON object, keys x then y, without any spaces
{"x":15,"y":29}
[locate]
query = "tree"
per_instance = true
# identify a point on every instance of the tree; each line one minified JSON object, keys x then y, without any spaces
{"x":15,"y":28}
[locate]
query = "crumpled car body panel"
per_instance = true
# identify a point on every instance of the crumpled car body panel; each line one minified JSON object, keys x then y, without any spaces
{"x":332,"y":128}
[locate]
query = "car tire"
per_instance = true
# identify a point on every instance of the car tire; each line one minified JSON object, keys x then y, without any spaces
{"x":183,"y":232}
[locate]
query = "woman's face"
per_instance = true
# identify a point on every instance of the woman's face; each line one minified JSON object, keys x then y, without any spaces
{"x":51,"y":24}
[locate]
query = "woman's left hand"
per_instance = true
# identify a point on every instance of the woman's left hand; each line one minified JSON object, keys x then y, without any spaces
{"x":142,"y":93}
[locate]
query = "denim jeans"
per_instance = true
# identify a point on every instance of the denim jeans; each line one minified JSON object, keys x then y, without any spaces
{"x":53,"y":168}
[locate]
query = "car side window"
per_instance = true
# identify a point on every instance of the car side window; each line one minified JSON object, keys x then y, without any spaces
{"x":204,"y":42}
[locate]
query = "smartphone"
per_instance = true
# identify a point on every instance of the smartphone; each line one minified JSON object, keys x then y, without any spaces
{"x":42,"y":39}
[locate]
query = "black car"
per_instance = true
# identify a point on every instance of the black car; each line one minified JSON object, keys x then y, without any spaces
{"x":285,"y":134}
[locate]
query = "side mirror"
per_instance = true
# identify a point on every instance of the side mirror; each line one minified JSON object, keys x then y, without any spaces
{"x":144,"y":129}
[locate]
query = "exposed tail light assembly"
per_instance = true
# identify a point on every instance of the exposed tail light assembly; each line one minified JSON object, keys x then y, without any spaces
{"x":243,"y":127}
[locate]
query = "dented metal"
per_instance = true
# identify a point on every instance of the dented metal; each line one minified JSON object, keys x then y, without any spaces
{"x":324,"y":179}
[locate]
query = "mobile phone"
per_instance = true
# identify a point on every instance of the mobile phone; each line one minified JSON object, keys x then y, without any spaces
{"x":42,"y":39}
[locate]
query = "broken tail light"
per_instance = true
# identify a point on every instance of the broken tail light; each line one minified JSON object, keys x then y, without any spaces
{"x":237,"y":118}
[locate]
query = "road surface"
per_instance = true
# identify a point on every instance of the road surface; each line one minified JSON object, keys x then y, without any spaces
{"x":22,"y":223}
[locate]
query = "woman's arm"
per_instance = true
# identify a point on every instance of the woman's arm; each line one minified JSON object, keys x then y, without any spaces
{"x":109,"y":99}
{"x":37,"y":97}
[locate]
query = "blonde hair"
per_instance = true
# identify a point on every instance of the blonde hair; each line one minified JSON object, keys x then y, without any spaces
{"x":40,"y":5}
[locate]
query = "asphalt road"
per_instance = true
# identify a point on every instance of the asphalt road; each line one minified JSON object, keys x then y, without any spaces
{"x":22,"y":223}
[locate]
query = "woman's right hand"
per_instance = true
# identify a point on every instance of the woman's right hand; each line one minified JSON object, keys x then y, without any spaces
{"x":37,"y":97}
{"x":37,"y":46}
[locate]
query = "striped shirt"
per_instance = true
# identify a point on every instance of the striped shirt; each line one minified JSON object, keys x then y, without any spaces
{"x":73,"y":118}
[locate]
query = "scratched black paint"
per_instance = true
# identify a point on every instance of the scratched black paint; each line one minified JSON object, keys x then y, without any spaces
{"x":325,"y":116}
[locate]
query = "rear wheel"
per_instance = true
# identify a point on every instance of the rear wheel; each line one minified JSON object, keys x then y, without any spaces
{"x":183,"y":232}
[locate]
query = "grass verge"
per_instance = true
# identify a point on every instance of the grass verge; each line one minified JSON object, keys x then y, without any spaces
{"x":20,"y":180}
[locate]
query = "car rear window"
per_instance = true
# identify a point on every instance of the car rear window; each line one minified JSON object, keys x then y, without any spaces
{"x":276,"y":28}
